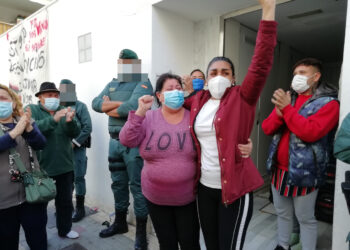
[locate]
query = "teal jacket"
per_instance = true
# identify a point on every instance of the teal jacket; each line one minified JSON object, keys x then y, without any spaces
{"x":57,"y":156}
{"x":83,"y":116}
{"x":342,"y":141}
{"x":126,"y":92}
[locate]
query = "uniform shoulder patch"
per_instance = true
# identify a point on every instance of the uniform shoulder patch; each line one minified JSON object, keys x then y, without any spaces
{"x":144,"y":86}
{"x":111,"y":89}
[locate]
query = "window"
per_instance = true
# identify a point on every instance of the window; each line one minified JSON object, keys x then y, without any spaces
{"x":84,"y":46}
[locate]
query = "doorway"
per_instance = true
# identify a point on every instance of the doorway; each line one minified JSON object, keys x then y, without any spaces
{"x":314,"y":28}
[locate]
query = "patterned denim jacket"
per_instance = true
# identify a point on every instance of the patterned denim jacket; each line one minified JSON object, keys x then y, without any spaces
{"x":307,"y":161}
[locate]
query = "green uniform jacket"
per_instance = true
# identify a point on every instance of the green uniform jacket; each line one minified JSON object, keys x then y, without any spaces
{"x":342,"y":141}
{"x":126,"y":92}
{"x":83,"y":116}
{"x":57,"y":156}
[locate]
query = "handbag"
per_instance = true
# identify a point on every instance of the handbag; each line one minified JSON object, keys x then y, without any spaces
{"x":39,"y":187}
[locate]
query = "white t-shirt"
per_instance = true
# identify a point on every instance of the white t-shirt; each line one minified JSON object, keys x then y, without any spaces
{"x":205,"y":131}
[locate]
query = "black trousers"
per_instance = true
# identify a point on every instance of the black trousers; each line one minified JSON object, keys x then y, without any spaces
{"x":175,"y":225}
{"x":224,"y":227}
{"x":32,"y":217}
{"x":63,"y":202}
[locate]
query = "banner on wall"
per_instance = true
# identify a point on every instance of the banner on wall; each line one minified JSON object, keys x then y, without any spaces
{"x":28,"y":47}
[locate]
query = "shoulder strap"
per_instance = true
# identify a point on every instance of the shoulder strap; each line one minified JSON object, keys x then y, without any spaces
{"x":15,"y":156}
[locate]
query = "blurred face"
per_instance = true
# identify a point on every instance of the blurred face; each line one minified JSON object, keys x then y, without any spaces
{"x":169,"y":85}
{"x":197,"y":75}
{"x":221,"y":68}
{"x":309,"y":71}
{"x":5,"y":97}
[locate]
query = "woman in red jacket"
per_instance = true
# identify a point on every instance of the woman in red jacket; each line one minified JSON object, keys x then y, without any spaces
{"x":222,"y":118}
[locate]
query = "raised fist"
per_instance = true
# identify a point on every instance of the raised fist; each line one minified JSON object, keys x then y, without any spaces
{"x":145,"y":103}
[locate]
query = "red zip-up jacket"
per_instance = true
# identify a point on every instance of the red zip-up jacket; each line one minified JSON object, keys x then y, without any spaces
{"x":235,"y":117}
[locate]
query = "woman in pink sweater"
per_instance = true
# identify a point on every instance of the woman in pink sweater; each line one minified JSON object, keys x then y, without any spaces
{"x":167,"y":179}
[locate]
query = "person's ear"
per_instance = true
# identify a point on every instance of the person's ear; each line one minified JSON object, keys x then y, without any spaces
{"x":41,"y":99}
{"x":317,"y":76}
{"x":159,"y":96}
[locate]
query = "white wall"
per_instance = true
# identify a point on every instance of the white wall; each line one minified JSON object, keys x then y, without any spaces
{"x":207,"y":41}
{"x":232,"y":41}
{"x":113,"y":27}
{"x":341,"y":219}
{"x":172,"y":43}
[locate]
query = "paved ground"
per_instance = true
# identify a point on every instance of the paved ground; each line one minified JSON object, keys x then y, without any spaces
{"x":261,"y":232}
{"x":88,"y":229}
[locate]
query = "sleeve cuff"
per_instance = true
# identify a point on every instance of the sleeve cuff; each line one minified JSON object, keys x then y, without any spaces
{"x":121,"y":111}
{"x":286,"y":109}
{"x":278,"y":117}
{"x":11,"y":142}
{"x":135,"y":117}
{"x":76,"y":143}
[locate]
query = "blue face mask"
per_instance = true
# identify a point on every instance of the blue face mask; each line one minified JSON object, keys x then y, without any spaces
{"x":52,"y":103}
{"x":174,"y":99}
{"x":197,"y":84}
{"x":5,"y":109}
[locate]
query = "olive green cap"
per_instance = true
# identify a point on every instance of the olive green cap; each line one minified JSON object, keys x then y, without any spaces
{"x":127,"y":54}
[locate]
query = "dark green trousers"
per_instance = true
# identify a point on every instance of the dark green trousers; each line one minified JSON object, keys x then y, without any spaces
{"x":125,"y":165}
{"x":80,"y":165}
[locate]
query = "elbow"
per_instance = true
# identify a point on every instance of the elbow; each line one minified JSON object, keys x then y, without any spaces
{"x":266,"y":131}
{"x":127,"y":143}
{"x":96,"y":106}
{"x":127,"y":140}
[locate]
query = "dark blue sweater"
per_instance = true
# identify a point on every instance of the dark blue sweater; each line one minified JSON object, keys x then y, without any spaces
{"x":34,"y":138}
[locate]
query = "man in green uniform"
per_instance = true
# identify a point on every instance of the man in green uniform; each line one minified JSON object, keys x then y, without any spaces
{"x":59,"y":126}
{"x":68,"y":97}
{"x":116,"y":100}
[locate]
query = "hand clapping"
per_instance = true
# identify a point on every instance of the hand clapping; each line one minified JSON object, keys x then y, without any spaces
{"x":281,"y":99}
{"x":28,"y":114}
{"x":70,"y":114}
{"x":22,"y":124}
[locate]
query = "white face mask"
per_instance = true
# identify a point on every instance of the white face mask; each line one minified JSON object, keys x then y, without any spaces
{"x":299,"y":83}
{"x":218,"y":85}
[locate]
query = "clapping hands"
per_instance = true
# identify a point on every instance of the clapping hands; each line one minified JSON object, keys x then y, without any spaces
{"x":24,"y":124}
{"x":281,"y":99}
{"x":69,"y":113}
